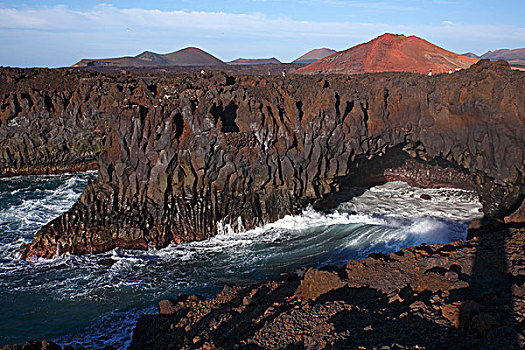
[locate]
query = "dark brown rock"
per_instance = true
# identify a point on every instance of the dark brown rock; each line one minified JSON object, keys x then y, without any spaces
{"x":11,"y":347}
{"x":452,"y":313}
{"x":476,"y":225}
{"x":53,"y":121}
{"x":246,"y":300}
{"x":460,"y":313}
{"x":34,"y":345}
{"x":483,"y":323}
{"x":356,"y":313}
{"x":166,"y":307}
{"x":518,"y":216}
{"x":316,"y":283}
{"x":183,"y":149}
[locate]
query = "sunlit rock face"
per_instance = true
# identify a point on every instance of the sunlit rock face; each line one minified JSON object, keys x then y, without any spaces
{"x":182,"y":154}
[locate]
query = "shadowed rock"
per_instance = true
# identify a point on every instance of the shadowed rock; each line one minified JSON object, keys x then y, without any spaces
{"x":187,"y":153}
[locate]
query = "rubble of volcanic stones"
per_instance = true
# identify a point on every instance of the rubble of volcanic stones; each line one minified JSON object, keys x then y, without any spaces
{"x":467,"y":294}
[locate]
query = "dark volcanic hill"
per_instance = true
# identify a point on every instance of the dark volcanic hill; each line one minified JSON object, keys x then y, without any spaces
{"x":471,"y":55}
{"x":314,"y":55}
{"x":391,"y":53}
{"x":190,"y":56}
{"x":250,"y":61}
{"x":514,"y":57}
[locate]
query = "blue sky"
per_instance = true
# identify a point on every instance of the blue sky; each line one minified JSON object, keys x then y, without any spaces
{"x":59,"y":33}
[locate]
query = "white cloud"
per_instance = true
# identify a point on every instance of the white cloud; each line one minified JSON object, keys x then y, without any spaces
{"x":105,"y":30}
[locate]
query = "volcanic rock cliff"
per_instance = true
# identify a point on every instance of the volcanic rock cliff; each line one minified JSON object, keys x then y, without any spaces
{"x":52,"y":120}
{"x":57,"y":120}
{"x":185,"y":154}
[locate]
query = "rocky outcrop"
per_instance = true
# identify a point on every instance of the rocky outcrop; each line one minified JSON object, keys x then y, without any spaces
{"x":33,"y":345}
{"x":45,"y":345}
{"x":190,"y":153}
{"x":517,"y":217}
{"x":56,"y":120}
{"x":468,"y":295}
{"x":53,"y":120}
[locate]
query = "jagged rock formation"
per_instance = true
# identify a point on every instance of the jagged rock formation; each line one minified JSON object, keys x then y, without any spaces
{"x":192,"y":152}
{"x":56,"y":120}
{"x":391,"y":53}
{"x":467,"y":294}
{"x":52,"y":120}
{"x":34,"y":345}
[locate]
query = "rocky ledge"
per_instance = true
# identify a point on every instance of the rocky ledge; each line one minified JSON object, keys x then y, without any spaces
{"x":183,"y":154}
{"x":465,"y":295}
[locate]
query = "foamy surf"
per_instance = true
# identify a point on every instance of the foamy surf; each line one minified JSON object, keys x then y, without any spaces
{"x":82,"y":299}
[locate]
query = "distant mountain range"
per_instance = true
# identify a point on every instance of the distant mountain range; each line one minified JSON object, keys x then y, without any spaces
{"x":314,"y":55}
{"x":390,"y":53}
{"x":190,"y":56}
{"x":515,"y":57}
{"x":250,"y":61}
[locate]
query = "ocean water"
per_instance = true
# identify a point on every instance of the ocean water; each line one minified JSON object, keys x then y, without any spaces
{"x":95,"y":300}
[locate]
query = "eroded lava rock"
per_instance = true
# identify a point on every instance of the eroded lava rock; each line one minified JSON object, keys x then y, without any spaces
{"x":189,"y":152}
{"x":465,"y":295}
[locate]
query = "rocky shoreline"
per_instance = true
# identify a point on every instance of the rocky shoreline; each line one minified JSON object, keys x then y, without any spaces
{"x":467,"y":294}
{"x":177,"y":155}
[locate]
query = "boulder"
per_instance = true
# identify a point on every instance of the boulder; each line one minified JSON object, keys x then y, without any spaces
{"x":518,"y":216}
{"x":316,"y":283}
{"x":166,"y":307}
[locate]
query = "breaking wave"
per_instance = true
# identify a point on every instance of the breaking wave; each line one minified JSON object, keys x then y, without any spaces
{"x":95,"y":300}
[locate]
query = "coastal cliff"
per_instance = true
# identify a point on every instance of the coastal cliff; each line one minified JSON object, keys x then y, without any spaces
{"x":184,"y":154}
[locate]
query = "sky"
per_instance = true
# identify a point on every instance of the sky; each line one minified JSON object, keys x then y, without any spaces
{"x":56,"y":33}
